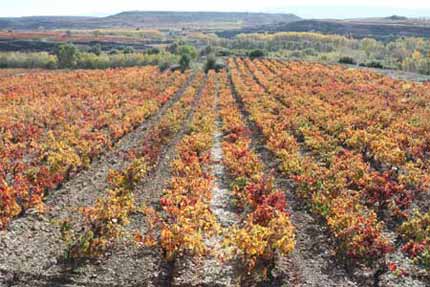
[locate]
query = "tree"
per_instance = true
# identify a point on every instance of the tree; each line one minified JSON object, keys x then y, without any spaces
{"x":184,"y":62}
{"x":153,"y":51}
{"x":370,"y":46}
{"x":187,"y":50}
{"x":128,"y":50}
{"x":206,"y":51}
{"x":67,"y":55}
{"x":397,"y":51}
{"x":173,"y":48}
{"x":163,"y":66}
{"x":210,"y":63}
{"x":96,"y":49}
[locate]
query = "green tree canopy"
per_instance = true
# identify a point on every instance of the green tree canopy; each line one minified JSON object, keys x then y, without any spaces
{"x":184,"y":62}
{"x":67,"y":55}
{"x":187,"y":50}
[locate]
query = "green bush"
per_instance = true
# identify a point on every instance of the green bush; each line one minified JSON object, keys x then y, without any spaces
{"x":153,"y":51}
{"x":208,"y":50}
{"x":93,"y":61}
{"x":128,"y":50}
{"x":96,"y":49}
{"x":224,"y":53}
{"x":41,"y":60}
{"x":163,"y":66}
{"x":187,"y":50}
{"x":347,"y":60}
{"x":256,"y":54}
{"x":103,"y":61}
{"x":72,"y":58}
{"x":210,"y":64}
{"x":373,"y":64}
{"x":67,"y":55}
{"x":185,"y":62}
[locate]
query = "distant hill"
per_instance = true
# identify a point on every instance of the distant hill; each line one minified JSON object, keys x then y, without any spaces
{"x":397,"y":18}
{"x":379,"y":28}
{"x":174,"y":18}
{"x":143,"y":19}
{"x":46,"y":22}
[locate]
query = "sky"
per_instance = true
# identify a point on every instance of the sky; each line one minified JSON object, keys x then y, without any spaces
{"x":303,"y":8}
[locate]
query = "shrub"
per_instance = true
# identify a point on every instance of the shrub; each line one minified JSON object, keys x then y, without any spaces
{"x":93,"y":61}
{"x":27,"y":60}
{"x":256,"y":54}
{"x":184,"y":62}
{"x":153,"y":51}
{"x":96,"y":49}
{"x":206,"y":51}
{"x":163,"y":66}
{"x":373,"y":64}
{"x":224,"y":53}
{"x":347,"y":60}
{"x":187,"y":50}
{"x":70,"y":58}
{"x":128,"y":50}
{"x":103,"y":61}
{"x":210,"y":64}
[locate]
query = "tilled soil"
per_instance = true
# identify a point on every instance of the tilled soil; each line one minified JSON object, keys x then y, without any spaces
{"x":31,"y":249}
{"x":212,"y":270}
{"x":381,"y":277}
{"x":129,"y":264}
{"x":313,"y":262}
{"x":216,"y":272}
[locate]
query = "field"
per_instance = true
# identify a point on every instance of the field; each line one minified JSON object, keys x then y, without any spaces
{"x":267,"y":173}
{"x":377,"y":28}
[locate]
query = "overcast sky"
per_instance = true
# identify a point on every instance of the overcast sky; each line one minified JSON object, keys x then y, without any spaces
{"x":303,"y":8}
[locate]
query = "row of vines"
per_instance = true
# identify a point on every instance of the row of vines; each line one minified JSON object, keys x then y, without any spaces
{"x":104,"y":222}
{"x":355,"y":146}
{"x":54,"y":124}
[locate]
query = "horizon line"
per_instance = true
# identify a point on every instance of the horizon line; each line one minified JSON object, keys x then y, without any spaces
{"x":273,"y":10}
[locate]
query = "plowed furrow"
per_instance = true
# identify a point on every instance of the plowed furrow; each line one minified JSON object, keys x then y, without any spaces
{"x":32,"y":245}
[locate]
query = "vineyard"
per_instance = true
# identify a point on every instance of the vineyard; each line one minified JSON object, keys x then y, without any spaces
{"x":267,"y":173}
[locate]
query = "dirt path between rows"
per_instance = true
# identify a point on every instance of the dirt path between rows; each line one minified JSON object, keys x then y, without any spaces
{"x":216,"y":272}
{"x":312,"y":263}
{"x":31,"y":247}
{"x":211,"y":270}
{"x":381,"y":276}
{"x":130,"y":264}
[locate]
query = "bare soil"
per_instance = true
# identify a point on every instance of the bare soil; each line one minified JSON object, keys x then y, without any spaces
{"x":31,"y":250}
